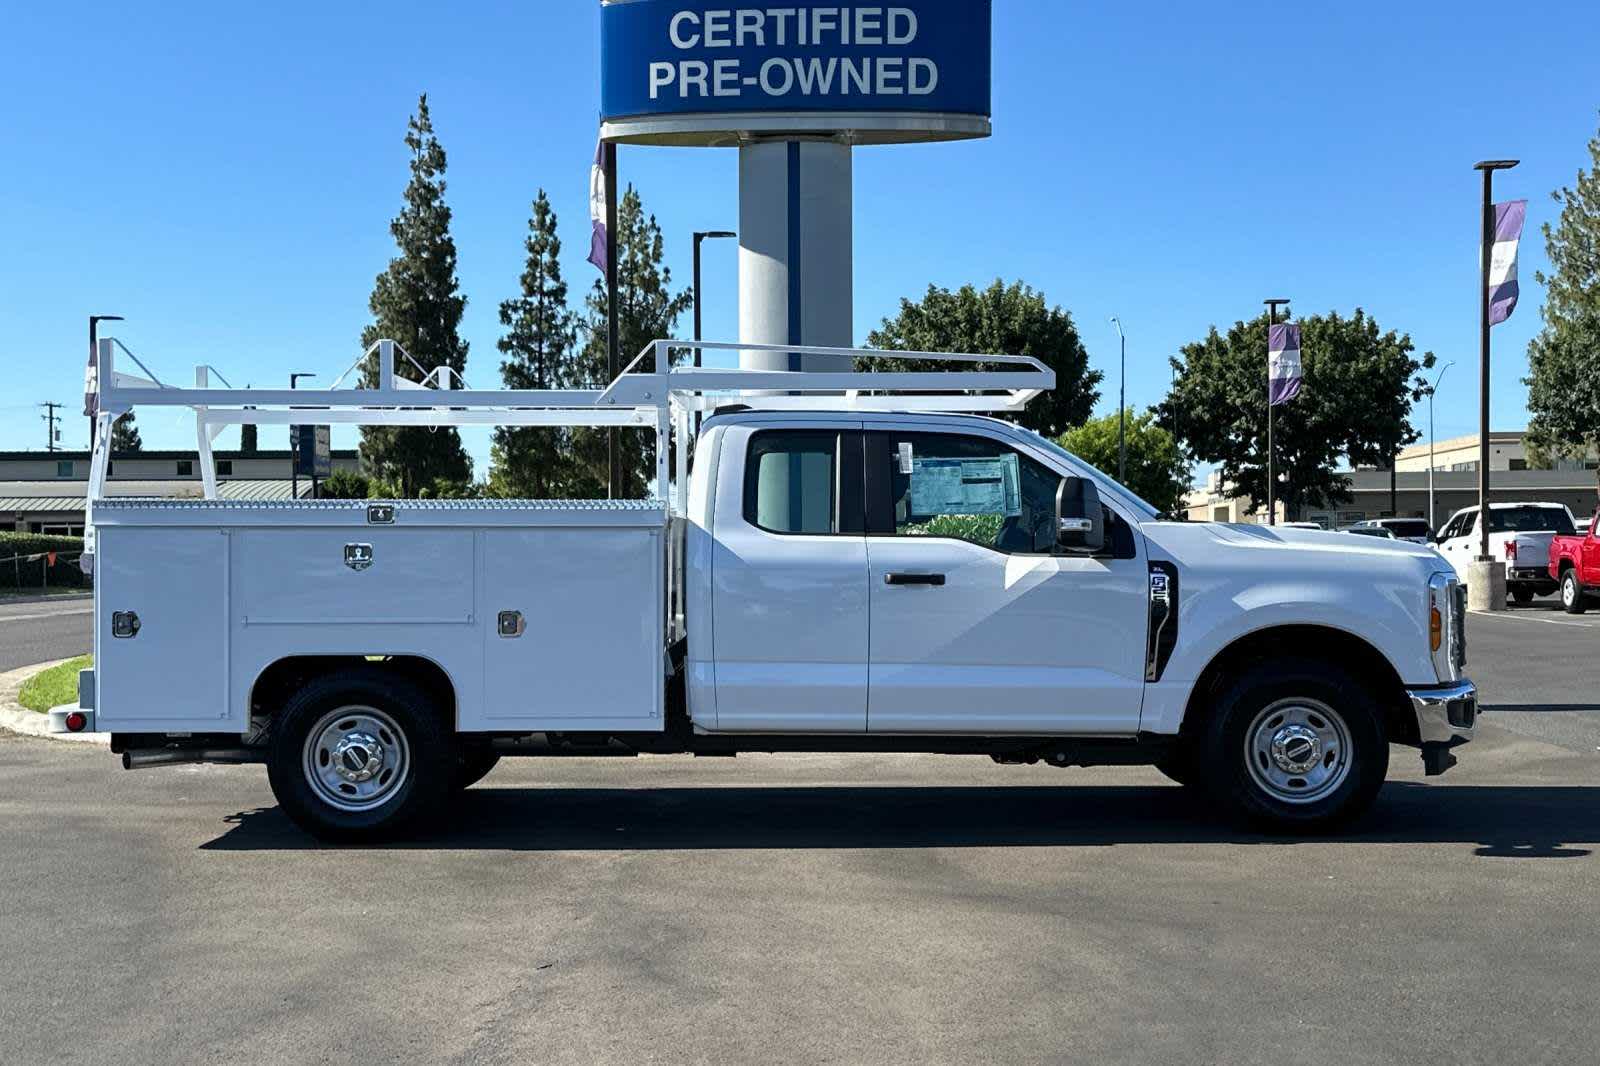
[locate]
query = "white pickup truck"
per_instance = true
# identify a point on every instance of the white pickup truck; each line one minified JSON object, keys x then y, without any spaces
{"x":1519,"y":533}
{"x":844,"y":567}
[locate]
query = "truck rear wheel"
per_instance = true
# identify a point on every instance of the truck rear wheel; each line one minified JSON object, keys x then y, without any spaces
{"x":1572,"y":593}
{"x":1295,"y":745}
{"x":358,"y":755}
{"x":1522,"y":594}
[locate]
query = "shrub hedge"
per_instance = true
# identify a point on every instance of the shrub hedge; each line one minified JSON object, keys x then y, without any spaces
{"x":29,"y":573}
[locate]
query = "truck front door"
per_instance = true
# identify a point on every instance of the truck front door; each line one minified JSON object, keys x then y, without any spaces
{"x":1590,"y":563}
{"x":977,"y":625}
{"x":789,"y":581}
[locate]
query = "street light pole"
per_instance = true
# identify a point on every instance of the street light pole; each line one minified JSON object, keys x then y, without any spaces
{"x":1272,"y":478}
{"x":294,"y":442}
{"x":699,"y":238}
{"x":1488,"y":166}
{"x":1122,"y":409}
{"x":1431,"y":390}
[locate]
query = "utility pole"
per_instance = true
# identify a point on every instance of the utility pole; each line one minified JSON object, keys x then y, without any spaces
{"x":1272,"y":481}
{"x":1122,"y":409}
{"x":51,"y":434}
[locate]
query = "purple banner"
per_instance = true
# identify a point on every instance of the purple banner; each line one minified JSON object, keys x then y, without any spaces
{"x":597,"y":208}
{"x":1284,"y":373}
{"x":1503,"y":291}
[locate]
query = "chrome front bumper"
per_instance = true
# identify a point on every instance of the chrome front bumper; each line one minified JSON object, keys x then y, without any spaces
{"x":1446,"y":714}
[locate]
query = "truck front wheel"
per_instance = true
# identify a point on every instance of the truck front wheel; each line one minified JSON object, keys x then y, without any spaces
{"x":1295,"y":745}
{"x":1572,"y":593}
{"x":357,"y":756}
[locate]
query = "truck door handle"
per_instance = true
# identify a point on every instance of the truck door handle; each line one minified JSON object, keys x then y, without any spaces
{"x":913,"y":579}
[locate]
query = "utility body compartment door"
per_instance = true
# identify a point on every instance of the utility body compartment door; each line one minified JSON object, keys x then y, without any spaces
{"x":170,"y":587}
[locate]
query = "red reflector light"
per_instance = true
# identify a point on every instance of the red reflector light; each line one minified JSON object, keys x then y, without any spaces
{"x":1511,"y":549}
{"x":76,"y":720}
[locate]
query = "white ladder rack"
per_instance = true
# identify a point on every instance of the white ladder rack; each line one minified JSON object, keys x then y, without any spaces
{"x":660,"y":399}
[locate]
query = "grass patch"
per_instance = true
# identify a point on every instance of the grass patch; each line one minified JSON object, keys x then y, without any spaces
{"x":55,"y":686}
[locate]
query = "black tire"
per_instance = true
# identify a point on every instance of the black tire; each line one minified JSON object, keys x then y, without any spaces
{"x":1178,"y":765}
{"x":408,"y":738}
{"x":1573,"y":593}
{"x":1284,"y":700}
{"x":472,"y":765}
{"x":1522,"y":595}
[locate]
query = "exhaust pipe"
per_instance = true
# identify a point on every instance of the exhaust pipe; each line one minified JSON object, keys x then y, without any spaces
{"x":141,"y":760}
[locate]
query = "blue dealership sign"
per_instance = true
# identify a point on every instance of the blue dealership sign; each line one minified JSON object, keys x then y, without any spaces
{"x":663,"y":59}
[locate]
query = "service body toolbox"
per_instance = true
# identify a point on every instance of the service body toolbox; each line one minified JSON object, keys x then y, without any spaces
{"x":544,"y":615}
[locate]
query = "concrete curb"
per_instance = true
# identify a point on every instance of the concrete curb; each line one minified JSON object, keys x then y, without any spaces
{"x":18,"y":719}
{"x":65,"y":597}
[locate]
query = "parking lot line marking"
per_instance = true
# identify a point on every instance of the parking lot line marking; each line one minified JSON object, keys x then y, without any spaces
{"x":51,"y":614}
{"x":1533,"y":618}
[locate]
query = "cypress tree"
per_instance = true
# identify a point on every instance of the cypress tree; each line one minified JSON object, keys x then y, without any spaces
{"x":647,"y":310}
{"x":534,"y":462}
{"x":416,"y":303}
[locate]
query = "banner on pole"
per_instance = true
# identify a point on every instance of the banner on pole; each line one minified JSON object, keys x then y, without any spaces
{"x":597,"y":208}
{"x":1284,"y":373}
{"x":1503,"y":292}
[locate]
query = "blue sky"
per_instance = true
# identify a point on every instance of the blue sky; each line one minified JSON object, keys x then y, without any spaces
{"x":223,"y":175}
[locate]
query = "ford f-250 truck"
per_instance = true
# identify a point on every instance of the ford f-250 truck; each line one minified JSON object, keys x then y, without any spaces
{"x":854,"y":562}
{"x":1575,"y":566}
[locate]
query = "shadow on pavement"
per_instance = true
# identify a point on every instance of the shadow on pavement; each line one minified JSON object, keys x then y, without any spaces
{"x":1540,"y":708}
{"x":1512,"y":821}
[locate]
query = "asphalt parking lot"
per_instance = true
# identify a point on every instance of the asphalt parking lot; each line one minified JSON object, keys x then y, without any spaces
{"x":824,"y":909}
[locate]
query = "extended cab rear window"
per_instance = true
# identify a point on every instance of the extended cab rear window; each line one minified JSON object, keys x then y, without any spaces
{"x":804,"y":482}
{"x":1414,"y":527}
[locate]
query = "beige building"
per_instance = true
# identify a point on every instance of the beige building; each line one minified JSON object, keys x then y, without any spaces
{"x":43,"y":492}
{"x":1455,"y":485}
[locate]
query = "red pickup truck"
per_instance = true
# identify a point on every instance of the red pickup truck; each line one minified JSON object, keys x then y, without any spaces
{"x":1575,"y":565}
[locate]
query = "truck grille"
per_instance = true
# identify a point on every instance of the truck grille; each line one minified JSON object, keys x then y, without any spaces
{"x":1458,"y":626}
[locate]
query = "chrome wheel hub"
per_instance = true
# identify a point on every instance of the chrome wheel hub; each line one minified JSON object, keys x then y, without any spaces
{"x":356,"y":758}
{"x":1298,"y":750}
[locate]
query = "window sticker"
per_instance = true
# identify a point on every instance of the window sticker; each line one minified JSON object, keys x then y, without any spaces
{"x":966,"y":486}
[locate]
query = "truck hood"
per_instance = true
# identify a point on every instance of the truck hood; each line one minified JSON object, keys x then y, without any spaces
{"x":1314,"y":547}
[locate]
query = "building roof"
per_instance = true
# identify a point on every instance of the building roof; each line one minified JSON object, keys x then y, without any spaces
{"x":1496,"y":436}
{"x":277,"y":453}
{"x":45,"y":497}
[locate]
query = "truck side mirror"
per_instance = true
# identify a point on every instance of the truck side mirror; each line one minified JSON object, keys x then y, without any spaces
{"x":1080,"y":520}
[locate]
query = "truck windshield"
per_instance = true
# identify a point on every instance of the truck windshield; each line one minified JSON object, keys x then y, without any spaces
{"x":1148,"y":512}
{"x":1531,"y":519}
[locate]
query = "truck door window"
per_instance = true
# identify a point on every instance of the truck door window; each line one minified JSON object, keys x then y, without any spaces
{"x":792,"y":481}
{"x":972,"y":489}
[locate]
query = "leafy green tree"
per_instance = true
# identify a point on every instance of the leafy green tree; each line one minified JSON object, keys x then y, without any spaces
{"x":125,"y":436}
{"x":345,"y":485}
{"x":416,"y":302}
{"x":1359,"y":386}
{"x":1000,"y":320}
{"x":1564,"y":359}
{"x":647,"y":310}
{"x":1157,"y":469}
{"x":538,"y":345}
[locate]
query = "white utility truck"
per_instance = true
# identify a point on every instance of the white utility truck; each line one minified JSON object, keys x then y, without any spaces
{"x":852,"y":562}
